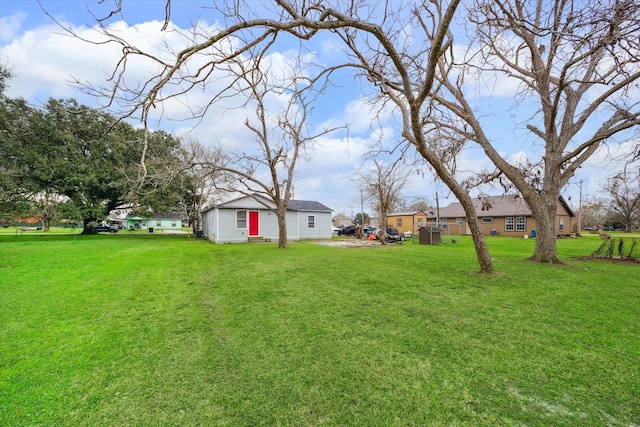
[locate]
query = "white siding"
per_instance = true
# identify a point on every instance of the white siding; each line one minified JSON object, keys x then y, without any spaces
{"x":219,"y":225}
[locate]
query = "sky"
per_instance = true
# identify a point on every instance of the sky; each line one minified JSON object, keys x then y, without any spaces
{"x":46,"y":62}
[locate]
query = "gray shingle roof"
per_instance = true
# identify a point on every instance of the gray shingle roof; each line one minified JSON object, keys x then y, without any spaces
{"x":169,"y":215}
{"x":497,"y":206}
{"x":294,"y":205}
{"x":307,"y":205}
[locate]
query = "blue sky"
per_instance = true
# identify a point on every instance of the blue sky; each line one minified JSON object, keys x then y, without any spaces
{"x":44,"y":60}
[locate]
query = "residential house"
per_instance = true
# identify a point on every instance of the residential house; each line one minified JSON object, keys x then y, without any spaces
{"x":408,"y":221}
{"x":247,"y":217}
{"x":506,"y":215}
{"x":160,"y":221}
{"x":342,"y":220}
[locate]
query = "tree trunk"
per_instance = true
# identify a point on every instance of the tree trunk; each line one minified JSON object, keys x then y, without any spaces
{"x":89,"y":226}
{"x":544,"y":210}
{"x":480,"y":245}
{"x":282,"y":228}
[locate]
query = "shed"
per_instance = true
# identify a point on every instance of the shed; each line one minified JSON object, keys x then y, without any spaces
{"x":429,"y":235}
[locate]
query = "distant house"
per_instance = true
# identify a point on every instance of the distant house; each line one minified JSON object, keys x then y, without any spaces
{"x":161,"y":221}
{"x":341,"y":219}
{"x":498,"y":215}
{"x":408,"y":221}
{"x":238,"y":220}
{"x":28,"y":221}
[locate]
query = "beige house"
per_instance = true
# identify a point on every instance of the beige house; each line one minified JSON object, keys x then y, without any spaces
{"x":341,"y":219}
{"x":409,"y":221}
{"x":498,"y":215}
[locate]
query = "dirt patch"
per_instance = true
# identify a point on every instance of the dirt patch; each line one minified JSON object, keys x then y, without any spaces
{"x":355,"y":243}
{"x":617,"y":260}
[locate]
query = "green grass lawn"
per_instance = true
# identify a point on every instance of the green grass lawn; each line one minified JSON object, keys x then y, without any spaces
{"x":139,"y":329}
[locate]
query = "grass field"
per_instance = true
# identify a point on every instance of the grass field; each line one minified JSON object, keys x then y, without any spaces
{"x":138,"y":330}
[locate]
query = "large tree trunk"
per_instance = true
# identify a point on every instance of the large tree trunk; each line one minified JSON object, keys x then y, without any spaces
{"x":89,"y":226}
{"x":544,"y":208}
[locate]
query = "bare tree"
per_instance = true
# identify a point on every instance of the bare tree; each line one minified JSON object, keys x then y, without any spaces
{"x":382,"y":184}
{"x":575,"y":66}
{"x":420,"y":204}
{"x":594,"y":212}
{"x":198,"y":180}
{"x":624,"y":191}
{"x":281,"y":135}
{"x":45,"y":205}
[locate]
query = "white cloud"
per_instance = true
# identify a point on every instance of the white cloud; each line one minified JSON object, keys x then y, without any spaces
{"x":11,"y":25}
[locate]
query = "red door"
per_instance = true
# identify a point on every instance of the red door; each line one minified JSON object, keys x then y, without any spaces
{"x":253,"y":223}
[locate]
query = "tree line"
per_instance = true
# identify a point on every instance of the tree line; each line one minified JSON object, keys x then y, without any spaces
{"x":65,"y":161}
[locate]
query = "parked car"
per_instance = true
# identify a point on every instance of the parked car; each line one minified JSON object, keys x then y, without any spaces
{"x":394,"y":235}
{"x":104,"y":228}
{"x":608,"y":228}
{"x":349,"y":230}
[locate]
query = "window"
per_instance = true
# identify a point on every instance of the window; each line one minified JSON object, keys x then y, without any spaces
{"x":521,"y":223}
{"x":443,"y":223}
{"x":458,"y":221}
{"x":158,"y":223}
{"x":561,"y":224}
{"x":509,"y":223}
{"x":487,"y":220}
{"x":241,"y":219}
{"x":419,"y":222}
{"x":399,"y":222}
{"x":311,"y":221}
{"x":174,"y":223}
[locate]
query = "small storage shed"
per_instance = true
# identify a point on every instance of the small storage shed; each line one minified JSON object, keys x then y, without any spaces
{"x":429,"y":235}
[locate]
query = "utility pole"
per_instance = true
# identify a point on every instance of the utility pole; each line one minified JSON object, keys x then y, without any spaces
{"x":361,"y":209}
{"x":580,"y":210}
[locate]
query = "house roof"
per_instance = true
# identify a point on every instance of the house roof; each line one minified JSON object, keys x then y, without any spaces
{"x":294,"y":205}
{"x":495,"y":206}
{"x":307,"y":205}
{"x":166,"y":215}
{"x":409,"y":213}
{"x":430,"y":229}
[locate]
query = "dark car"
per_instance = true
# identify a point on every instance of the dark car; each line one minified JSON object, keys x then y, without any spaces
{"x":394,"y":235}
{"x":608,"y":228}
{"x":349,"y":230}
{"x":103,"y":228}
